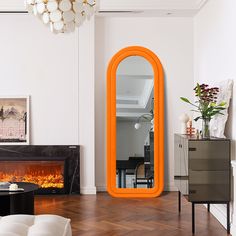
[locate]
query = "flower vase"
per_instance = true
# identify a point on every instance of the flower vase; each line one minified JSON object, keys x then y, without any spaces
{"x":206,"y":128}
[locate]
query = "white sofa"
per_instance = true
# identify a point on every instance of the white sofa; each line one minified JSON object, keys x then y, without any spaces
{"x":39,"y":225}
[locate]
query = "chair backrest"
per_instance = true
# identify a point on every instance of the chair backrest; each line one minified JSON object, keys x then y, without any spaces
{"x":140,"y":170}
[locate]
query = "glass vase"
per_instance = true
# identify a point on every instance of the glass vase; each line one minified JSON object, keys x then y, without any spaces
{"x":206,"y":128}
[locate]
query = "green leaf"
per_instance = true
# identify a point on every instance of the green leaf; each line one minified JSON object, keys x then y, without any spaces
{"x":198,"y":90}
{"x":213,"y":113}
{"x":195,"y":111}
{"x":222,"y":104}
{"x":219,"y":108}
{"x":197,"y":118}
{"x":185,"y":99}
{"x":213,"y":104}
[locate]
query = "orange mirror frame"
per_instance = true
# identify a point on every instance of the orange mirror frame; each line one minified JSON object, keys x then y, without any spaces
{"x":158,"y":124}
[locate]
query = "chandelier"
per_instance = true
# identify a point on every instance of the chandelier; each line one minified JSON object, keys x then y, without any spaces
{"x":61,"y":15}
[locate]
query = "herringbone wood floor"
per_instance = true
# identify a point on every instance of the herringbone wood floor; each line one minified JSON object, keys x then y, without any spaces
{"x":107,"y":216}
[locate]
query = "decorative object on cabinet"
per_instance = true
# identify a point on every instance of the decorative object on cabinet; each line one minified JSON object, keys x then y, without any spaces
{"x":202,"y":172}
{"x":14,"y":120}
{"x":217,"y":125}
{"x":184,"y":118}
{"x":190,"y":128}
{"x":131,"y":76}
{"x":206,"y":105}
{"x":62,"y":16}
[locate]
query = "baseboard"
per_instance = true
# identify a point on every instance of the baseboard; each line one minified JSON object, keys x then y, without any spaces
{"x":219,"y":212}
{"x":101,"y":188}
{"x":88,"y":190}
{"x":168,"y":187}
{"x":233,"y":229}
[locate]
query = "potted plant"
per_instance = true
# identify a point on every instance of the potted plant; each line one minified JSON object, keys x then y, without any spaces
{"x":206,"y":105}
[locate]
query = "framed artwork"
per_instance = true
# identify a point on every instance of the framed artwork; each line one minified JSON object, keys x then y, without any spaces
{"x":14,"y":120}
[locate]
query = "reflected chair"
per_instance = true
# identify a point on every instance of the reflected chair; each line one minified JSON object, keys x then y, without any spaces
{"x":140,"y":176}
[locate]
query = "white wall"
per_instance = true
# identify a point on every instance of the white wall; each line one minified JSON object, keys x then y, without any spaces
{"x":129,"y":141}
{"x":87,"y":107}
{"x":60,"y":81}
{"x":172,"y":41}
{"x":215,"y":57}
{"x":35,"y":62}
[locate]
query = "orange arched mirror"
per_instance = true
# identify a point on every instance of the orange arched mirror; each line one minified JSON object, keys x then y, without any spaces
{"x":135,"y":124}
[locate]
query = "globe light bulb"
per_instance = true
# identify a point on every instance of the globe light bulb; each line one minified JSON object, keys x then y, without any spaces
{"x":137,"y":126}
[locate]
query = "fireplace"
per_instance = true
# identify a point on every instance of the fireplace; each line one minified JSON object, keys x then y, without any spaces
{"x":47,"y":174}
{"x":54,"y":168}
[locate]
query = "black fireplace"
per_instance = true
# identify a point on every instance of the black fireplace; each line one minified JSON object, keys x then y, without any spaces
{"x":56,"y":169}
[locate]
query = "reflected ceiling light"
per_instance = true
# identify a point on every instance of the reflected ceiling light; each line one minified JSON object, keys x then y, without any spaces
{"x":146,"y":117}
{"x":62,"y":16}
{"x":149,"y":117}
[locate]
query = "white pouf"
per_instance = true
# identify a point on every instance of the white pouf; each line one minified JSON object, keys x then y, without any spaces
{"x":40,"y":225}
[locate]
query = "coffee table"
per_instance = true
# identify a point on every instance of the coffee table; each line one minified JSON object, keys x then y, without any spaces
{"x":18,"y":202}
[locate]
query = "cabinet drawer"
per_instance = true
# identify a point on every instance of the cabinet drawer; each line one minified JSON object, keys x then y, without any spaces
{"x":209,"y":150}
{"x":209,"y":177}
{"x":209,"y":164}
{"x":209,"y":192}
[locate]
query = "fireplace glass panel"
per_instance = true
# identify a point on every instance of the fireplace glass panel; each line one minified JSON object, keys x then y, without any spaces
{"x":47,"y":174}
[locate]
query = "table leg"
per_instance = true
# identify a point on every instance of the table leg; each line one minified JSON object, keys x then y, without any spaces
{"x":119,"y":178}
{"x":193,"y":217}
{"x":123,"y":179}
{"x":5,"y":205}
{"x":179,"y":200}
{"x":208,"y":207}
{"x":22,"y":203}
{"x":228,"y":218}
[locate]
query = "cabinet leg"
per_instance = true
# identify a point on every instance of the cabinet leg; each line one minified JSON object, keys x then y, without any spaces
{"x":228,"y":218}
{"x":208,"y":207}
{"x":179,"y":200}
{"x":193,"y":217}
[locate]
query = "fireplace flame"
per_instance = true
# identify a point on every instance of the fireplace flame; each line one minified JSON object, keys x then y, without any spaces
{"x":45,"y":178}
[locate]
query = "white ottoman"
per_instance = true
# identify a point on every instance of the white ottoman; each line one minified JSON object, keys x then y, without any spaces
{"x":40,"y":225}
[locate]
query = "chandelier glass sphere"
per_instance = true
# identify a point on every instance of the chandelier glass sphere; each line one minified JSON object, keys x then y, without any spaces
{"x":62,"y":15}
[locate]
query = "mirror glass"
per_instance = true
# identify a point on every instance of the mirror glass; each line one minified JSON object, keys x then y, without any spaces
{"x":134,"y":123}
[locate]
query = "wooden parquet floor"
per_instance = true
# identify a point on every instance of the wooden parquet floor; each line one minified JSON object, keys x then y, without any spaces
{"x":103,"y":215}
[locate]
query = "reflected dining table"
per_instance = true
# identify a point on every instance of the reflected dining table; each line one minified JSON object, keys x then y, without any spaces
{"x":123,"y":165}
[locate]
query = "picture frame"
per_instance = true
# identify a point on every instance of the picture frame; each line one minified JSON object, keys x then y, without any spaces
{"x":14,"y":120}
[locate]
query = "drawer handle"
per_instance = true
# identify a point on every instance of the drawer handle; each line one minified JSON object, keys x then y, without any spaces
{"x":192,"y":149}
{"x":192,"y":191}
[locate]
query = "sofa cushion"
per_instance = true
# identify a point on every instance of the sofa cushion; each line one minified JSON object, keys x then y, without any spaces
{"x":40,"y":225}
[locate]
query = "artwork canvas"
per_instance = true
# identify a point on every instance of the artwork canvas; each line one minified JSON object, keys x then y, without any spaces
{"x":14,"y":120}
{"x":218,"y":122}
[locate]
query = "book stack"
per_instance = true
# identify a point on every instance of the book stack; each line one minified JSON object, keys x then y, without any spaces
{"x":4,"y":185}
{"x":9,"y":187}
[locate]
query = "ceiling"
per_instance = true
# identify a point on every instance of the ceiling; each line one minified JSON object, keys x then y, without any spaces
{"x":142,"y":7}
{"x":134,"y":87}
{"x":159,"y":8}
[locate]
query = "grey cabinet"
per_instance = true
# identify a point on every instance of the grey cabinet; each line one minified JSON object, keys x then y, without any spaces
{"x":202,"y":170}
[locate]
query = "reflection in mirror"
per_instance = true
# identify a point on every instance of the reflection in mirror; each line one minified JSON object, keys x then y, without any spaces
{"x":134,"y":123}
